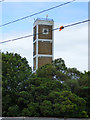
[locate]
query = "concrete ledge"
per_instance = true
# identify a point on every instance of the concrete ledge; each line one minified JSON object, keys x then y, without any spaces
{"x":41,"y":118}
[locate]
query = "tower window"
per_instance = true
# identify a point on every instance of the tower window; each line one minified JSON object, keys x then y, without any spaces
{"x":45,"y":31}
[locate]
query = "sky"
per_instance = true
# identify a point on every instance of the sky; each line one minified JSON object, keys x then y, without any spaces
{"x":70,"y":44}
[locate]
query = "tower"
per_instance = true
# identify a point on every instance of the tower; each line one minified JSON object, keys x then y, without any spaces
{"x":42,"y":42}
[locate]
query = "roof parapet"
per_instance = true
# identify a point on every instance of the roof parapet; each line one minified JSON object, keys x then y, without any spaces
{"x":43,"y":19}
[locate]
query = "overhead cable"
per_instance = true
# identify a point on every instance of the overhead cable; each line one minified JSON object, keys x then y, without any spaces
{"x":1,"y":0}
{"x":36,"y":13}
{"x":42,"y":32}
{"x":73,"y":24}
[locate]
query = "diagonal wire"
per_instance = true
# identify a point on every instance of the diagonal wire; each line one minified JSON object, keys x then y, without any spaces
{"x":2,"y":0}
{"x":73,"y":24}
{"x":43,"y":32}
{"x":36,"y":13}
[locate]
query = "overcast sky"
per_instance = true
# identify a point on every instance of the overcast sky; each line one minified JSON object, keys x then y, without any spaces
{"x":70,"y":44}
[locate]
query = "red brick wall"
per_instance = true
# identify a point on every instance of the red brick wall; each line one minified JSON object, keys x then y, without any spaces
{"x":45,"y":48}
{"x":44,"y":36}
{"x":44,"y":60}
{"x":34,"y":49}
{"x":34,"y":37}
{"x":34,"y":63}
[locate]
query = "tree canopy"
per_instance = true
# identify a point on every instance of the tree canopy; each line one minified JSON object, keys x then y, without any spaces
{"x":53,"y":91}
{"x":15,"y":72}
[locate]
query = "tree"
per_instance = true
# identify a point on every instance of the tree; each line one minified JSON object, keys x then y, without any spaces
{"x":73,"y":85}
{"x":59,"y":64}
{"x":84,"y":89}
{"x":46,"y":108}
{"x":81,"y":87}
{"x":47,"y":71}
{"x":15,"y":72}
{"x":58,"y":71}
{"x":31,"y":110}
{"x":55,"y":71}
{"x":73,"y":73}
{"x":67,"y":104}
{"x":13,"y":111}
{"x":48,"y":92}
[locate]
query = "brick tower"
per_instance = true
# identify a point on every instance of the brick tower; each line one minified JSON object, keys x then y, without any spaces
{"x":42,"y":42}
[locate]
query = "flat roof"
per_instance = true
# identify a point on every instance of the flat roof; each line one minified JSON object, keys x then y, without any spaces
{"x":43,"y":19}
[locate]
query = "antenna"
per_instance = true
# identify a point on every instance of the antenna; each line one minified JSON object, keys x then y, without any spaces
{"x":46,"y":16}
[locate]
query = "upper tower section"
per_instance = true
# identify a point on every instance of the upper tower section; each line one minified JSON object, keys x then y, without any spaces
{"x":43,"y":28}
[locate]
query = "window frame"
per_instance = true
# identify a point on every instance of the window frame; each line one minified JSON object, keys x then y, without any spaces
{"x":44,"y":30}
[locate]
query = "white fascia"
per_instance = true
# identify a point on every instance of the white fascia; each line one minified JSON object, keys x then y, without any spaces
{"x":53,"y":43}
{"x":34,"y":56}
{"x":42,"y":22}
{"x":37,"y":48}
{"x":34,"y":41}
{"x":45,"y":40}
{"x":43,"y":55}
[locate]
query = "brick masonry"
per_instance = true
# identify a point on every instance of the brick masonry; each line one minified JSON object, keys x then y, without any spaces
{"x":34,"y":63}
{"x":45,"y":48}
{"x":44,"y":60}
{"x":34,"y":49}
{"x":34,"y":29}
{"x":44,"y":36}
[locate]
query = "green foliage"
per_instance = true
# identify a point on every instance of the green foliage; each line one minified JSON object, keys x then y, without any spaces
{"x":13,"y":111}
{"x":47,"y":71}
{"x":31,"y":110}
{"x":15,"y":72}
{"x":84,"y":89}
{"x":67,"y":104}
{"x":73,"y":85}
{"x":73,"y":73}
{"x":59,"y":64}
{"x":46,"y":108}
{"x":53,"y":91}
